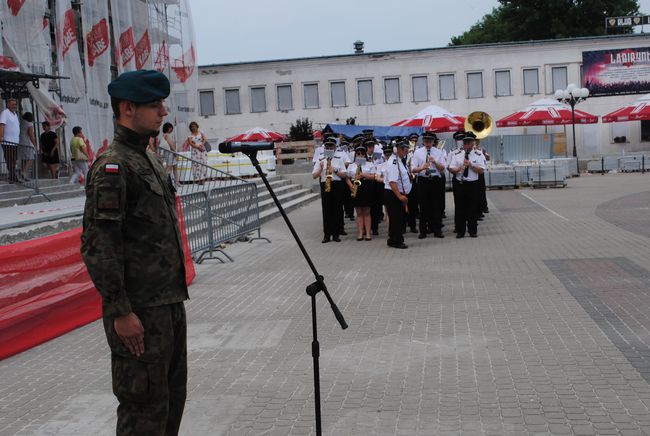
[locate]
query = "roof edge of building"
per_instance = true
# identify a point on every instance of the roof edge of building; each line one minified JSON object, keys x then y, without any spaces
{"x":416,"y":50}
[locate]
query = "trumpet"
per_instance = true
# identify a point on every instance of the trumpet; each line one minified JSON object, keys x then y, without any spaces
{"x":328,"y":176}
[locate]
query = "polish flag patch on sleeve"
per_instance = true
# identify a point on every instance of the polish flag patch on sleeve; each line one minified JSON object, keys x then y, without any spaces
{"x":112,"y":168}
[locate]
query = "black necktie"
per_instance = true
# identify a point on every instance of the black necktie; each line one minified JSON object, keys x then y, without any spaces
{"x":466,"y":172}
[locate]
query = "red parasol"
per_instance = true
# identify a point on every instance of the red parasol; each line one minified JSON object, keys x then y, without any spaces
{"x":435,"y":119}
{"x":639,"y":110}
{"x":257,"y":134}
{"x":546,"y":112}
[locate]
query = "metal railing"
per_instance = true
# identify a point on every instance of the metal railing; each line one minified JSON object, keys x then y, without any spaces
{"x":217,"y":207}
{"x":19,"y":166}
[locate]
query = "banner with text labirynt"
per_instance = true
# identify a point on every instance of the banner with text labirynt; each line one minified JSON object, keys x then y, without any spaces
{"x":616,"y":72}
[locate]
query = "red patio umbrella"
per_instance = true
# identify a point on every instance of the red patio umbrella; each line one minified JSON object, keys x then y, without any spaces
{"x":546,"y":112}
{"x":638,"y":110}
{"x":257,"y":134}
{"x":435,"y":119}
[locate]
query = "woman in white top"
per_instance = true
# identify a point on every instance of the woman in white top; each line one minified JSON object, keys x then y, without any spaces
{"x":27,"y":140}
{"x":197,"y":141}
{"x":363,"y":199}
{"x":169,"y":158}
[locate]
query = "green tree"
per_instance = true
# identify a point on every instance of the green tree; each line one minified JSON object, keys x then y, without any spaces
{"x":525,"y":20}
{"x":301,"y":130}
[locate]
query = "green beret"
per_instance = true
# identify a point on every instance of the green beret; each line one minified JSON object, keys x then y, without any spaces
{"x":141,"y":86}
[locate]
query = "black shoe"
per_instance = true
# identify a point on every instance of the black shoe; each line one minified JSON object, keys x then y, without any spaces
{"x":375,"y":232}
{"x":486,"y":210}
{"x":479,"y":218}
{"x":442,"y":225}
{"x":473,"y":235}
{"x":343,"y":233}
{"x":336,"y":239}
{"x":460,"y":235}
{"x":413,"y":230}
{"x":438,"y":235}
{"x":325,"y":240}
{"x":401,"y":246}
{"x":444,"y":215}
{"x":422,"y":236}
{"x":455,"y":231}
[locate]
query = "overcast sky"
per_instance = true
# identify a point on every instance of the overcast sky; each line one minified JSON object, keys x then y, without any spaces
{"x":252,"y":30}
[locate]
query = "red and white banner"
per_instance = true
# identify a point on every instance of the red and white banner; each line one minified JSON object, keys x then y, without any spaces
{"x":45,"y":290}
{"x":99,"y":128}
{"x":123,"y":34}
{"x":73,"y":90}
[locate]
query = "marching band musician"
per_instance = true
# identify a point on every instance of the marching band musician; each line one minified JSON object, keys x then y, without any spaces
{"x":483,"y":206}
{"x":428,"y":164}
{"x":397,"y":186}
{"x":458,"y":140}
{"x":466,"y":165}
{"x":330,"y":169}
{"x":360,"y":179}
{"x":377,"y":197}
{"x":414,"y":210}
{"x":443,"y":175}
{"x":318,"y":152}
{"x":344,"y":149}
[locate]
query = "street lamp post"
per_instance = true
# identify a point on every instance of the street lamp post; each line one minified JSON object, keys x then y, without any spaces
{"x":572,"y":95}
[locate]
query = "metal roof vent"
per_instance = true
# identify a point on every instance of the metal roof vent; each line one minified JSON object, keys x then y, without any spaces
{"x":358,"y":47}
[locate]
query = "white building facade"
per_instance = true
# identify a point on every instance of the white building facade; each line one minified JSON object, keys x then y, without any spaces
{"x":383,"y":88}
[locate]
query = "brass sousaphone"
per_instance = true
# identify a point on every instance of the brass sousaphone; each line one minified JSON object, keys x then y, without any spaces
{"x":479,"y":123}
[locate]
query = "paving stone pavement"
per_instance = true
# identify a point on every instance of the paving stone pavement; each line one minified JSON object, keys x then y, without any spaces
{"x":539,"y":326}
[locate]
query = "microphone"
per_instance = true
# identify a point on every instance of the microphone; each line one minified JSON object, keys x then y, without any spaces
{"x":234,"y":147}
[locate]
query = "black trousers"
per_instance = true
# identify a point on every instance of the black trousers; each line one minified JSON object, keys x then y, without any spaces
{"x":414,"y":210}
{"x":376,"y":212}
{"x":347,"y":202}
{"x":429,"y":202}
{"x":332,"y":203}
{"x":467,"y":207}
{"x":151,"y":389}
{"x":483,"y":196}
{"x":443,"y":204}
{"x":396,"y":213}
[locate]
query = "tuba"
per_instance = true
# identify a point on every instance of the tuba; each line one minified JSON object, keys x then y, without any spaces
{"x":328,"y":176}
{"x":479,"y":123}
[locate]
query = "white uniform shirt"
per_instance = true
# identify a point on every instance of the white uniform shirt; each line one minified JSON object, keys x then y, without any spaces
{"x":338,"y":164}
{"x":318,"y":154}
{"x":395,"y":171}
{"x":476,"y":159}
{"x":12,"y":126}
{"x":367,"y":168}
{"x":420,"y":158}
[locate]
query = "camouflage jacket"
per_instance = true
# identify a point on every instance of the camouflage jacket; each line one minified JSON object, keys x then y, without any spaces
{"x":131,"y":242}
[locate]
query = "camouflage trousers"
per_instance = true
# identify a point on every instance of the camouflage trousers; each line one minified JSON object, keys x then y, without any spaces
{"x":151,"y":389}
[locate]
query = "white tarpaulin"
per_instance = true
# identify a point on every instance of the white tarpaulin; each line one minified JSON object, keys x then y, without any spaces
{"x":99,"y":129}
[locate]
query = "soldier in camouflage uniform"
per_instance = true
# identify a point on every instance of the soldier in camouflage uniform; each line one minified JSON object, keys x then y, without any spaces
{"x":131,"y":245}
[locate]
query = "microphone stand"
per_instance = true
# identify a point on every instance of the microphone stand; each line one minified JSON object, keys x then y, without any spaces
{"x":312,"y":289}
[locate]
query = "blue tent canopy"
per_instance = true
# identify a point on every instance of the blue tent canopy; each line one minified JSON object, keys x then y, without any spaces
{"x":380,"y":132}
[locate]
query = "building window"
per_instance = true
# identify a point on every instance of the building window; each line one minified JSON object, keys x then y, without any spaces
{"x":310,"y":91}
{"x":420,"y":87}
{"x":645,"y":130}
{"x":447,"y":87}
{"x":619,"y":133}
{"x":474,"y":85}
{"x":502,"y":83}
{"x":258,"y":99}
{"x":391,"y":90}
{"x":338,"y":94}
{"x":559,"y":78}
{"x":365,"y":92}
{"x":531,"y":81}
{"x":285,"y":99}
{"x":206,"y":102}
{"x":232,"y":102}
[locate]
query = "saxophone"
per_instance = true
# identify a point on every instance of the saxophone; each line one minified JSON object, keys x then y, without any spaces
{"x":356,"y":183}
{"x":328,"y":176}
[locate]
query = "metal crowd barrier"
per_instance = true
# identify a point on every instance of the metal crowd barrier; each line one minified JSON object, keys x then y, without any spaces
{"x":542,"y":173}
{"x":217,"y":207}
{"x":623,"y":163}
{"x":19,"y":166}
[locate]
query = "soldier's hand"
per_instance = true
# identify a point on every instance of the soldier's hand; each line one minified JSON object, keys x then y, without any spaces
{"x":130,"y":330}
